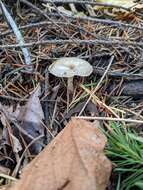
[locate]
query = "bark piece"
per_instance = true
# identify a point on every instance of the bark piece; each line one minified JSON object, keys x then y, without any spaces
{"x":74,"y":160}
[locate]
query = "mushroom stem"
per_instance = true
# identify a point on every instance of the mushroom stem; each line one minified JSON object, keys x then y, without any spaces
{"x":70,"y":84}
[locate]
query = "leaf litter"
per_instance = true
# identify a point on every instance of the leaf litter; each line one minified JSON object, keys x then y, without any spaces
{"x":26,"y":125}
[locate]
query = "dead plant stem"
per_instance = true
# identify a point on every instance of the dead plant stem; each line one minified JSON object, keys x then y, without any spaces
{"x":110,"y":119}
{"x":98,"y":85}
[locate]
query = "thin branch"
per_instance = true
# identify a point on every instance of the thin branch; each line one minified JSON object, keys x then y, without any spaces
{"x":31,"y":25}
{"x":35,"y":8}
{"x":110,"y":119}
{"x":17,"y":33}
{"x":86,"y":2}
{"x":111,"y":22}
{"x":116,"y":74}
{"x":98,"y":85}
{"x":41,"y":12}
{"x":101,"y":21}
{"x":74,"y":41}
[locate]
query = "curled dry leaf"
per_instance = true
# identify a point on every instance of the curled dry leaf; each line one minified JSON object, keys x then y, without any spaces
{"x":121,"y":6}
{"x":30,"y":117}
{"x":123,"y":3}
{"x":74,"y":160}
{"x":16,"y":144}
{"x":32,"y":111}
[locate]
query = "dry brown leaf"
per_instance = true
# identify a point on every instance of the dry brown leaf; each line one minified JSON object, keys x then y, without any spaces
{"x":124,"y":3}
{"x":32,"y":111}
{"x":4,"y":170}
{"x":30,"y":124}
{"x":74,"y":160}
{"x":31,"y":116}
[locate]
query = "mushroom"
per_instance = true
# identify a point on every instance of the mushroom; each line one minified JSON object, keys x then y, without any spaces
{"x":69,"y":67}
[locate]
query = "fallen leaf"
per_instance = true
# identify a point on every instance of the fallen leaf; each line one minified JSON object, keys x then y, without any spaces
{"x":123,"y":3}
{"x":29,"y":125}
{"x":31,"y":117}
{"x":32,"y":111}
{"x":4,"y":170}
{"x":16,"y":144}
{"x":7,"y":137}
{"x":74,"y":160}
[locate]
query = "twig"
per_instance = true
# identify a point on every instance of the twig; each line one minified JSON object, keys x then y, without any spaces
{"x":23,"y":99}
{"x":100,"y":71}
{"x":46,"y":104}
{"x":13,"y":98}
{"x":35,"y":8}
{"x":43,"y":23}
{"x":42,"y":13}
{"x":16,"y":170}
{"x":98,"y":85}
{"x":102,"y":21}
{"x":86,"y":2}
{"x":8,"y":177}
{"x":107,"y":21}
{"x":32,"y":25}
{"x":74,"y":41}
{"x":49,"y":23}
{"x":17,"y":33}
{"x":110,"y":119}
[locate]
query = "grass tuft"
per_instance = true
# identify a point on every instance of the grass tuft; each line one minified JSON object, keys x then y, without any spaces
{"x":125,"y":150}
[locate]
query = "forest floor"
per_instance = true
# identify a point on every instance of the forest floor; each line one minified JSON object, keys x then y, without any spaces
{"x":111,"y":40}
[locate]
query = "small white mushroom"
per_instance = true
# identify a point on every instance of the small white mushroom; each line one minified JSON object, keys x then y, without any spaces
{"x":69,"y":67}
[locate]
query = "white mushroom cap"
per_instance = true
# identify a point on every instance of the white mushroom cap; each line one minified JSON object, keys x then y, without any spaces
{"x":70,"y":67}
